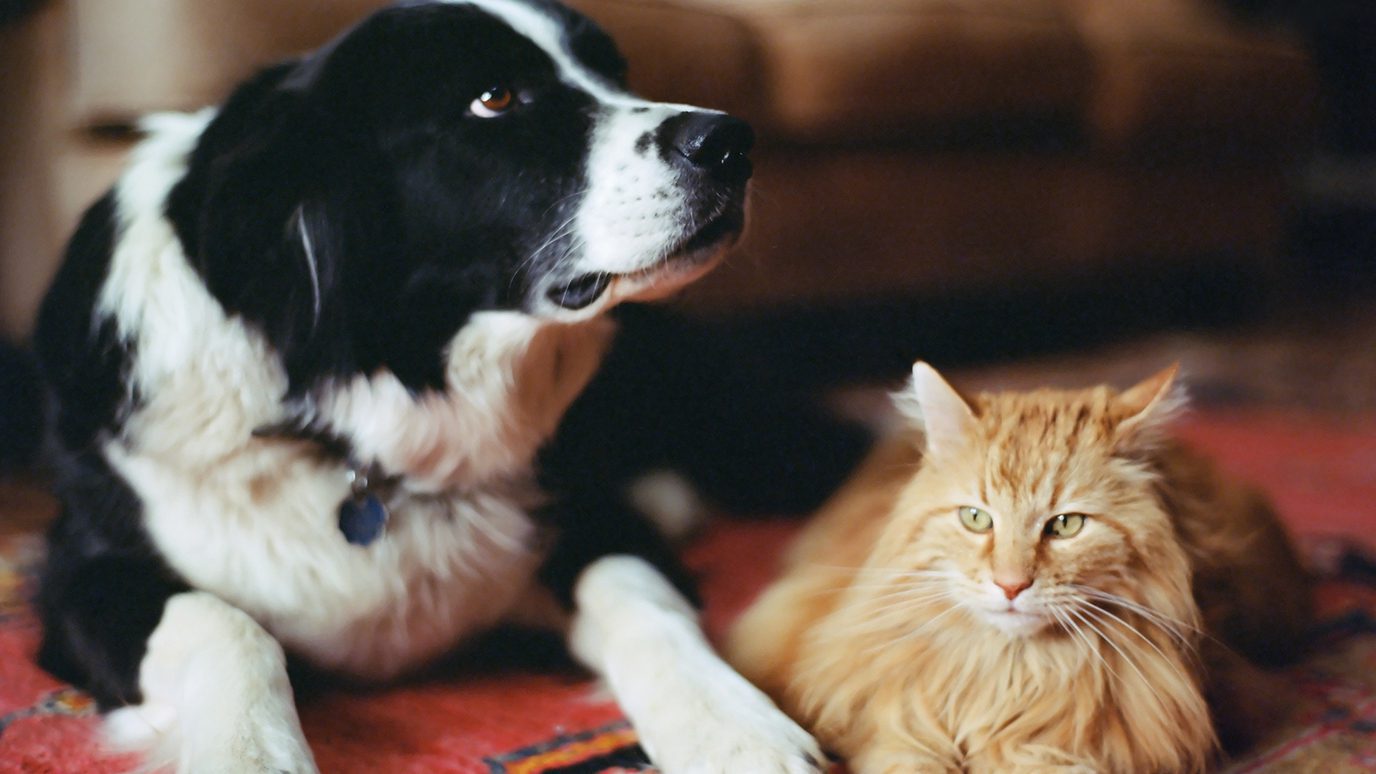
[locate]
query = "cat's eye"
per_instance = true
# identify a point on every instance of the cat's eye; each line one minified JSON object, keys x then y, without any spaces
{"x":1066,"y":525}
{"x":492,"y":102}
{"x":975,"y":519}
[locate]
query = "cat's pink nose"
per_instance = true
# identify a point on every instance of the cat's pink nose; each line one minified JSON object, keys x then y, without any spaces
{"x":1012,"y":590}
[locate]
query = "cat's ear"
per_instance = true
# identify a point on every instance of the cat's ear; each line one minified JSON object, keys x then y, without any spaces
{"x":1148,"y":407}
{"x":936,"y":409}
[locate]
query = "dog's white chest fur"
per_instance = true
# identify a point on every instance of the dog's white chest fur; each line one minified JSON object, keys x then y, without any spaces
{"x":256,"y":521}
{"x":270,"y":545}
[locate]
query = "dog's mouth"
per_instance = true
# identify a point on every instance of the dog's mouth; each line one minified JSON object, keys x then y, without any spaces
{"x":725,"y":226}
{"x":582,"y":291}
{"x":687,"y":261}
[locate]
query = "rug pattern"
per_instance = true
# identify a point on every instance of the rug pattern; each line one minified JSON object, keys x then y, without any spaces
{"x":516,"y":719}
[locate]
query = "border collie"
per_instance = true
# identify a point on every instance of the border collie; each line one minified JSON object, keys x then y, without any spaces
{"x":303,"y":356}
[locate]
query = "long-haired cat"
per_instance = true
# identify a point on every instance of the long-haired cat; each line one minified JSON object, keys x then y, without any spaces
{"x":1025,"y":582}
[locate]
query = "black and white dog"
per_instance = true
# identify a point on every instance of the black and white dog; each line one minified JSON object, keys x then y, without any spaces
{"x":303,"y":357}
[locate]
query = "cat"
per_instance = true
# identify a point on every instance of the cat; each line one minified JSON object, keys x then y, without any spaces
{"x":1025,"y":581}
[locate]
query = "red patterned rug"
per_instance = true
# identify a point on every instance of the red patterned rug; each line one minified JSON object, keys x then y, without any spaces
{"x":522,"y":715}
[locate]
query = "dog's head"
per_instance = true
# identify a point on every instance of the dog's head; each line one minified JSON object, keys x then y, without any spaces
{"x":444,"y":158}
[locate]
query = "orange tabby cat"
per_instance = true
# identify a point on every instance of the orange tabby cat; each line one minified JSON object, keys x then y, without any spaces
{"x":1024,"y":583}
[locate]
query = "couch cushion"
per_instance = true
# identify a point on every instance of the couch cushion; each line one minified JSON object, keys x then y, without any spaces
{"x":132,"y":57}
{"x":842,"y":70}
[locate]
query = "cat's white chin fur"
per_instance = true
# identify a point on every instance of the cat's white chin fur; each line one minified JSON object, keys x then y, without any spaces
{"x":1015,"y":623}
{"x":1018,"y":618}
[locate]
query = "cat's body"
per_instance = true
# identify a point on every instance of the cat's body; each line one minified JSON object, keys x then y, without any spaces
{"x":1028,"y":581}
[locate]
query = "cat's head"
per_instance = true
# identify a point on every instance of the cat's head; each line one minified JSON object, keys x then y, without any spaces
{"x":1036,"y":509}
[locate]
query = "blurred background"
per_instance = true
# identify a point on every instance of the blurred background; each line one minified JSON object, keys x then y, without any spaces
{"x":1087,"y":185}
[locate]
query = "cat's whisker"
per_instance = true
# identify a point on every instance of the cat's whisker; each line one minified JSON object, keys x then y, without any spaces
{"x":896,"y":589}
{"x":886,"y":573}
{"x":1193,"y":645}
{"x":1093,"y":608}
{"x":894,"y":578}
{"x":894,"y":615}
{"x":894,"y":582}
{"x":889,"y":571}
{"x":899,"y":614}
{"x":903,"y":612}
{"x":912,"y":603}
{"x":1080,"y":637}
{"x":891,"y":589}
{"x":1118,"y":599}
{"x":884,"y":599}
{"x":1176,"y":628}
{"x":914,"y":634}
{"x":902,"y":602}
{"x":1173,"y":626}
{"x":1182,"y":639}
{"x":1079,"y":613}
{"x":1122,"y":651}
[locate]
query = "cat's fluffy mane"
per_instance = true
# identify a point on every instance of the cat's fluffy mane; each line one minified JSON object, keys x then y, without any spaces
{"x":882,"y":637}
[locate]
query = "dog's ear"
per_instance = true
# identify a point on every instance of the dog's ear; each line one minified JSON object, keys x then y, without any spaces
{"x":284,"y":211}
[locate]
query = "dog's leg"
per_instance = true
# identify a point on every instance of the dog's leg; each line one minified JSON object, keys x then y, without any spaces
{"x":693,"y":713}
{"x":216,"y":697}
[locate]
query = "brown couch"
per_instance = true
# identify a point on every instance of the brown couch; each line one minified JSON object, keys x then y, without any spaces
{"x":906,"y":145}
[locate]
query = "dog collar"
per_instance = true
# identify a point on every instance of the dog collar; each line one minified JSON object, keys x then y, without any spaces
{"x":363,"y":516}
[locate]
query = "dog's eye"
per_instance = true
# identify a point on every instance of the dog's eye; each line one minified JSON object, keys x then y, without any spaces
{"x":492,"y":102}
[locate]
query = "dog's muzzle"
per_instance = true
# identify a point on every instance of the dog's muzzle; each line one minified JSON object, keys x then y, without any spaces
{"x":711,"y":154}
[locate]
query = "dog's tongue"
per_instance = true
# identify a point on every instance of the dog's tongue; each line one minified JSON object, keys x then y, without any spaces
{"x":583,"y":290}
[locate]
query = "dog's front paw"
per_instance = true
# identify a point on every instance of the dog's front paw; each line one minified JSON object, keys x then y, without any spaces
{"x":692,"y":712}
{"x":264,"y":739}
{"x":254,"y":742}
{"x":732,"y":731}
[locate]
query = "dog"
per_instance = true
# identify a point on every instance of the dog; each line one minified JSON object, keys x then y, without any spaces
{"x":302,"y":359}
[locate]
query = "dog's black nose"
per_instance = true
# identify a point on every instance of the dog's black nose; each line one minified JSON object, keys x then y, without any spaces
{"x":715,"y":143}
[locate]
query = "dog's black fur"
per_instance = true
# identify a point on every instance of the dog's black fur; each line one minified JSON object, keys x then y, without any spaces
{"x":21,"y":417}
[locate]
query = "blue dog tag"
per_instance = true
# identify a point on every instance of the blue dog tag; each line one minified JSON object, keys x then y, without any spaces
{"x":362,"y":519}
